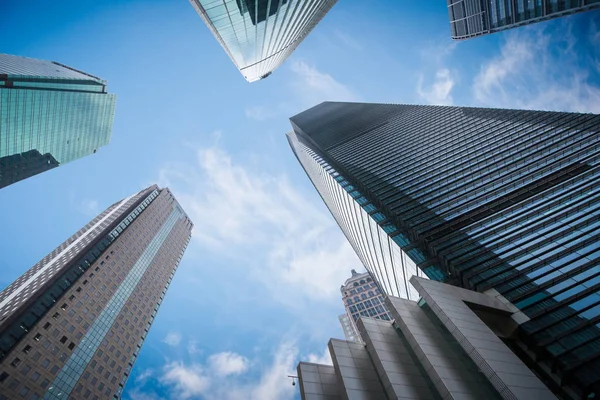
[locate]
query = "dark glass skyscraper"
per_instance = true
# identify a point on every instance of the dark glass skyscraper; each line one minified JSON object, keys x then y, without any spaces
{"x":485,"y":199}
{"x":470,"y":18}
{"x":50,"y":114}
{"x":74,"y":323}
{"x":259,"y":35}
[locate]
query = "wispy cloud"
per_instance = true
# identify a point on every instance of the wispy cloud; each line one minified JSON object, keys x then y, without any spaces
{"x":297,"y":248}
{"x":144,"y":375}
{"x":228,"y":363}
{"x":324,"y":358}
{"x":224,"y":377}
{"x":307,"y":86}
{"x":314,"y":86}
{"x":438,"y":88}
{"x":186,"y":380}
{"x":348,"y":40}
{"x":537,"y":69}
{"x":439,"y":92}
{"x":172,"y":339}
{"x":192,"y":348}
{"x":89,"y":207}
{"x":260,"y":113}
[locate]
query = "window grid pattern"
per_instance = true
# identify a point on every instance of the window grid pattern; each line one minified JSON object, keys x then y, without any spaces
{"x":379,"y":252}
{"x":361,"y":297}
{"x":37,"y":284}
{"x":48,"y":118}
{"x":471,"y":18}
{"x":503,"y":199}
{"x":34,"y":363}
{"x":73,"y":368}
{"x":259,"y":35}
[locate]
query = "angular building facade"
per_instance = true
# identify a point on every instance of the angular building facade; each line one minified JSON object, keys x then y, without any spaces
{"x":361,"y":297}
{"x":73,"y":324}
{"x":471,"y":18}
{"x":259,"y":35}
{"x":478,"y":198}
{"x":50,"y":114}
{"x":449,"y":345}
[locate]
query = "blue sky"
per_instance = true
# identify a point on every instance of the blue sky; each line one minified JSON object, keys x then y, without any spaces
{"x":257,"y":289}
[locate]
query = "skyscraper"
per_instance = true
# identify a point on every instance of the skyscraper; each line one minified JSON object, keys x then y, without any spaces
{"x":361,"y":297}
{"x":50,"y":114}
{"x":73,"y":324}
{"x":478,"y":198}
{"x":259,"y":35}
{"x":470,"y":18}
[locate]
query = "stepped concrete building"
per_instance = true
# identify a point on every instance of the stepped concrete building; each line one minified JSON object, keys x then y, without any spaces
{"x":73,"y":325}
{"x":449,"y":345}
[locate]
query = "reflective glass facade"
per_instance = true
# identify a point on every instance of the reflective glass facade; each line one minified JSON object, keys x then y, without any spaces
{"x":470,"y":18}
{"x":259,"y":35}
{"x":50,"y":114}
{"x":72,"y":326}
{"x":479,"y":198}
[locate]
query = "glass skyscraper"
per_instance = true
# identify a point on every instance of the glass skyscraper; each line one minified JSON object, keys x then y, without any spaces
{"x":485,"y":199}
{"x":73,"y":325}
{"x":470,"y":18}
{"x":259,"y":35}
{"x":50,"y":114}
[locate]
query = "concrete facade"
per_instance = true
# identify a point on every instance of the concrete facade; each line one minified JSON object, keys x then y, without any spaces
{"x":446,"y":346}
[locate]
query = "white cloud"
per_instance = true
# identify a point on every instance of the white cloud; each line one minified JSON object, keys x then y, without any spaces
{"x":228,"y":363}
{"x":314,"y":87}
{"x":144,"y":375}
{"x":186,"y":381}
{"x":172,"y":339}
{"x":192,"y":348}
{"x":89,"y":207}
{"x":307,"y":87}
{"x":197,"y":380}
{"x":440,"y":90}
{"x":324,"y":358}
{"x":538,"y":70}
{"x":348,"y":40}
{"x":274,"y":383}
{"x":259,"y":113}
{"x":434,"y":56}
{"x":297,"y":249}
